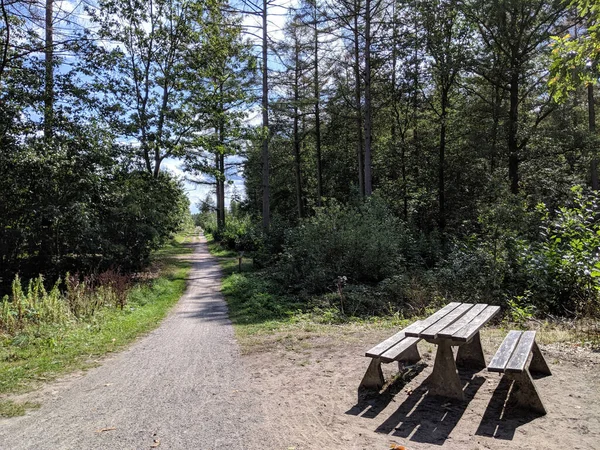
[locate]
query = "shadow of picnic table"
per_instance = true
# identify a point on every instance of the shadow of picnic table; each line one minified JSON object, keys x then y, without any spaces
{"x":429,"y":419}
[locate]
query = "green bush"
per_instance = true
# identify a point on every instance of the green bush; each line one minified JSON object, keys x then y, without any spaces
{"x":564,"y":268}
{"x":365,"y":244}
{"x":239,"y":234}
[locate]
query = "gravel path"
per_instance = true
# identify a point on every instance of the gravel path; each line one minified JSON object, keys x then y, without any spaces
{"x":181,"y":387}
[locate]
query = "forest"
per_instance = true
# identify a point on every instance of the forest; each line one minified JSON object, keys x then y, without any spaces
{"x":395,"y":154}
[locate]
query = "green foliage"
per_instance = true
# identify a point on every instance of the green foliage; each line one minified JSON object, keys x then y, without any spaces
{"x":240,"y":233}
{"x":520,"y":309}
{"x":79,"y":299}
{"x":575,"y":57}
{"x":565,"y":266}
{"x":366,"y":244}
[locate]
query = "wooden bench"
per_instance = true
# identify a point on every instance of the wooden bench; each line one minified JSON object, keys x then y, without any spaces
{"x":399,"y":348}
{"x":511,"y":360}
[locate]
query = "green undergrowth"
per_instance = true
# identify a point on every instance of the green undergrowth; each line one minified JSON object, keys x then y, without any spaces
{"x":42,"y":352}
{"x":257,"y":305}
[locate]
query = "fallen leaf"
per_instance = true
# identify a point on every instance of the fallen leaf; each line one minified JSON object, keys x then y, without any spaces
{"x":397,"y":447}
{"x":101,"y":430}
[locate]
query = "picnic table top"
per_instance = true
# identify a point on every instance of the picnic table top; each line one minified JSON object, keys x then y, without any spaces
{"x":455,"y":322}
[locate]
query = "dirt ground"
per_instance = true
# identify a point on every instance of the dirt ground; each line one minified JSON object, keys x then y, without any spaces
{"x":308,"y":384}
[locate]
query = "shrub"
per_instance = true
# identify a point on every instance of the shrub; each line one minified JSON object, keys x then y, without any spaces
{"x":564,"y":268}
{"x":366,"y":244}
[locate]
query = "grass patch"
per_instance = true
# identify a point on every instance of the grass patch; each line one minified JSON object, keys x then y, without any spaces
{"x":8,"y":408}
{"x":43,"y":352}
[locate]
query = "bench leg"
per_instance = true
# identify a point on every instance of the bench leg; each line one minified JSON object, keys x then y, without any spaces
{"x":524,"y":392}
{"x":471,"y":355}
{"x":538,"y":363}
{"x":373,"y":378}
{"x":409,"y":356}
{"x":444,"y":379}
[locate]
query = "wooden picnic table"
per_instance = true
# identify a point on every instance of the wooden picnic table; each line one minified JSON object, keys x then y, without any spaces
{"x":455,"y":325}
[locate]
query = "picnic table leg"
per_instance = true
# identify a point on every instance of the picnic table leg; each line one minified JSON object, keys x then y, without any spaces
{"x":524,"y":392}
{"x":409,"y":356}
{"x":373,"y":378}
{"x":471,"y":355}
{"x":538,"y":363}
{"x":444,"y":379}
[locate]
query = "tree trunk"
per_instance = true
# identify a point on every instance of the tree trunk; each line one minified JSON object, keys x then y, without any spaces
{"x":368,"y":111}
{"x":49,"y":73}
{"x":220,"y":179}
{"x":496,"y":101}
{"x":297,"y":162}
{"x":513,"y":129}
{"x":265,"y":123}
{"x":442,"y":161}
{"x":222,"y":188}
{"x":317,"y":93}
{"x":592,"y":129}
{"x":357,"y":99}
{"x":7,"y":27}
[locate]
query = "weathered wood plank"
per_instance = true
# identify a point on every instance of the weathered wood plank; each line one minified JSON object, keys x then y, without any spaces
{"x":517,"y":361}
{"x":417,"y":329}
{"x":448,"y":319}
{"x":391,"y":354}
{"x":382,"y":347}
{"x":468,"y":331}
{"x":463,"y":321}
{"x":502,"y":356}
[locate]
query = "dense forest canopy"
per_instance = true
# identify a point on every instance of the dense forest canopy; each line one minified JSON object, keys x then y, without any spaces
{"x":410,"y":151}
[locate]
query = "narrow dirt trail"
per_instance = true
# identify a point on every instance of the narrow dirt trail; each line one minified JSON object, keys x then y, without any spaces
{"x":181,"y":387}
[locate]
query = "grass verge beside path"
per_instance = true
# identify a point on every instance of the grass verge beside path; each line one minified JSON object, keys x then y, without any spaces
{"x":258,"y":307}
{"x":263,"y":312}
{"x":41,"y":353}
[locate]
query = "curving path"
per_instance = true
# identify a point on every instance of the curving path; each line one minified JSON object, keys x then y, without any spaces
{"x":181,"y":387}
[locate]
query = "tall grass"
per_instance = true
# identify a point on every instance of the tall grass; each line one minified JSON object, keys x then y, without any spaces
{"x":80,"y":298}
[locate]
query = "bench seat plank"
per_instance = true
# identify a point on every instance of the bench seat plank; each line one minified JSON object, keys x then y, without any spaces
{"x":394,"y":352}
{"x":448,"y":319}
{"x":471,"y":329}
{"x":502,"y":356}
{"x":519,"y":357}
{"x":424,"y":324}
{"x":384,"y":346}
{"x":462,"y":322}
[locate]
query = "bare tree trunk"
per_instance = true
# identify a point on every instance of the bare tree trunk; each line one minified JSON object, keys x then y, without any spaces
{"x":220,"y":180}
{"x":266,"y":219}
{"x":297,"y":162}
{"x":513,"y":128}
{"x":368,"y":111}
{"x":49,"y":73}
{"x":317,"y":93}
{"x":222,"y":189}
{"x":442,"y":162}
{"x":592,"y":129}
{"x":357,"y":98}
{"x":496,"y":101}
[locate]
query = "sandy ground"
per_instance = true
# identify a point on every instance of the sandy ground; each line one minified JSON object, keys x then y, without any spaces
{"x":187,"y":386}
{"x":180,"y":387}
{"x":310,"y":383}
